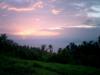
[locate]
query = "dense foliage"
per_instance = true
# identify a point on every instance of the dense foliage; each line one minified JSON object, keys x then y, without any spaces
{"x":87,"y":53}
{"x":15,"y":66}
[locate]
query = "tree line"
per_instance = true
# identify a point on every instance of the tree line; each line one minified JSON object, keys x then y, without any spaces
{"x":86,"y":53}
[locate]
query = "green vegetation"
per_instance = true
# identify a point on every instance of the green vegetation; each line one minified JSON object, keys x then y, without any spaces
{"x":83,"y":59}
{"x":14,"y":66}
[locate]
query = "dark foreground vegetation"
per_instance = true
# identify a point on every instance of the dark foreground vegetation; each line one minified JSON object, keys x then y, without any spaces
{"x":84,"y":59}
{"x":14,"y":66}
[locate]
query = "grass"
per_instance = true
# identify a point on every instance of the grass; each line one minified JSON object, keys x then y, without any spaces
{"x":14,"y":66}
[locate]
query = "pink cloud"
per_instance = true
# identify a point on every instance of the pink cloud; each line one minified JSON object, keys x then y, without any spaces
{"x":37,"y":5}
{"x":3,"y":5}
{"x":56,"y":11}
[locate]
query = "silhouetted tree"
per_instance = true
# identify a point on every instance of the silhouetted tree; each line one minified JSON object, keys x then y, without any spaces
{"x":50,"y":48}
{"x":59,"y":50}
{"x":86,"y":53}
{"x":43,"y":47}
{"x":99,"y":41}
{"x":3,"y":37}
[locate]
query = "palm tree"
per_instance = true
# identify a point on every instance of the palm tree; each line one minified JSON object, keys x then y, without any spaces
{"x":50,"y":48}
{"x":43,"y":47}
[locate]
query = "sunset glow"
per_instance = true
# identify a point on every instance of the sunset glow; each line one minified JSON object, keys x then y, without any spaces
{"x":65,"y":19}
{"x":36,"y":33}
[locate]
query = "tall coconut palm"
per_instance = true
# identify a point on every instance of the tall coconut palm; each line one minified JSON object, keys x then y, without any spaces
{"x":50,"y":48}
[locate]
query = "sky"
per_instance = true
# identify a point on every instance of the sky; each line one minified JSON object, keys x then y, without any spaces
{"x":57,"y":22}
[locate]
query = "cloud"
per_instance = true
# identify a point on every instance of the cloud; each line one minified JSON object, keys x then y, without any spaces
{"x":81,"y":26}
{"x":20,"y":9}
{"x":36,"y":5}
{"x":55,"y":28}
{"x":95,"y":11}
{"x":96,"y":8}
{"x":52,"y":29}
{"x":93,"y":14}
{"x":3,"y":5}
{"x":93,"y":21}
{"x":39,"y":4}
{"x":60,"y":28}
{"x":79,"y":4}
{"x":52,"y":0}
{"x":56,"y":11}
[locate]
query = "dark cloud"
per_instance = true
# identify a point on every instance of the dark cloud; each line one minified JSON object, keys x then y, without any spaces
{"x":93,"y":21}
